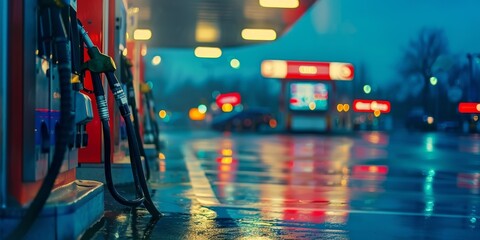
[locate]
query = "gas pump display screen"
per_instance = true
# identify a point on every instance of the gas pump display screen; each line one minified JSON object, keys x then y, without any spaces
{"x":308,"y":97}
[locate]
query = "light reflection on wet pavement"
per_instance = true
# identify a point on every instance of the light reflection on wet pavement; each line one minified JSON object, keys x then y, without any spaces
{"x":362,"y":186}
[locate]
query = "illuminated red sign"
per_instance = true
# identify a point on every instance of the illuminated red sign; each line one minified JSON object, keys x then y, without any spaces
{"x":374,"y":169}
{"x":307,"y":70}
{"x":468,"y":180}
{"x":228,"y":98}
{"x":469,"y":107}
{"x":371,"y":106}
{"x":370,"y":172}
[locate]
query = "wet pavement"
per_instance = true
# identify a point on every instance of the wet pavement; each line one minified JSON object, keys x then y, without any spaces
{"x":369,"y":185}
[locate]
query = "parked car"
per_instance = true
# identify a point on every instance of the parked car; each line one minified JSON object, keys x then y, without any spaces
{"x":449,"y":126}
{"x":418,"y":120}
{"x":246,"y":120}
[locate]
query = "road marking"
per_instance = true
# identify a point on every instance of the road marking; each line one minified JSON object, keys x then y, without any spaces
{"x":201,"y":186}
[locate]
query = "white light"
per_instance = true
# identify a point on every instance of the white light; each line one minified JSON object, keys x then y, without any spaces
{"x":430,"y":120}
{"x":208,"y":52}
{"x":429,"y":144}
{"x":142,"y":34}
{"x":279,"y":3}
{"x":125,"y":52}
{"x":156,"y":60}
{"x":259,"y":34}
{"x":341,"y":71}
{"x":202,"y":108}
{"x":206,"y":32}
{"x":433,"y":81}
{"x":45,"y":66}
{"x":367,"y":89}
{"x":235,"y":63}
{"x":478,"y":107}
{"x":274,"y":69}
{"x":144,"y":50}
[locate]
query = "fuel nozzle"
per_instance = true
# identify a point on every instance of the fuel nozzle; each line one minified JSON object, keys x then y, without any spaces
{"x":101,"y":63}
{"x":126,"y":76}
{"x":145,"y":88}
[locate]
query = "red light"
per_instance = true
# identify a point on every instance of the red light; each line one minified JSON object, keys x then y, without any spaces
{"x":371,"y":106}
{"x":229,"y":98}
{"x":374,"y":169}
{"x":469,"y":107}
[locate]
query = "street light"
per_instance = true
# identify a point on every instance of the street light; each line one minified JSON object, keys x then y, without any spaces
{"x":156,"y":60}
{"x":235,"y":63}
{"x":208,"y":52}
{"x":142,"y":34}
{"x":259,"y":34}
{"x":367,"y":89}
{"x":279,"y":3}
{"x":202,"y":108}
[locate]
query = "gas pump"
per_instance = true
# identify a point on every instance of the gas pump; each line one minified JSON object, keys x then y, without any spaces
{"x":152,"y":129}
{"x":102,"y":64}
{"x":105,"y":29}
{"x":46,"y":122}
{"x":105,"y":22}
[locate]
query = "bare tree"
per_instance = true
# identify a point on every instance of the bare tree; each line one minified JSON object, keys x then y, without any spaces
{"x":420,"y":57}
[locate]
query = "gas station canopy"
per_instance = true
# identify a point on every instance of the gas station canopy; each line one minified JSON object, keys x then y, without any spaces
{"x":218,"y":23}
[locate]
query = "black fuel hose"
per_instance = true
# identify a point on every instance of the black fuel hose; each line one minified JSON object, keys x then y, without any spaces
{"x":155,"y":127}
{"x":122,"y":101}
{"x":65,"y":124}
{"x":133,"y":105}
{"x":108,"y":174}
{"x":127,"y":78}
{"x":104,"y":117}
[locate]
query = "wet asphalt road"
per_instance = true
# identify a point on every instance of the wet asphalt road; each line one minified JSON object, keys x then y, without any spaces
{"x":369,"y":185}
